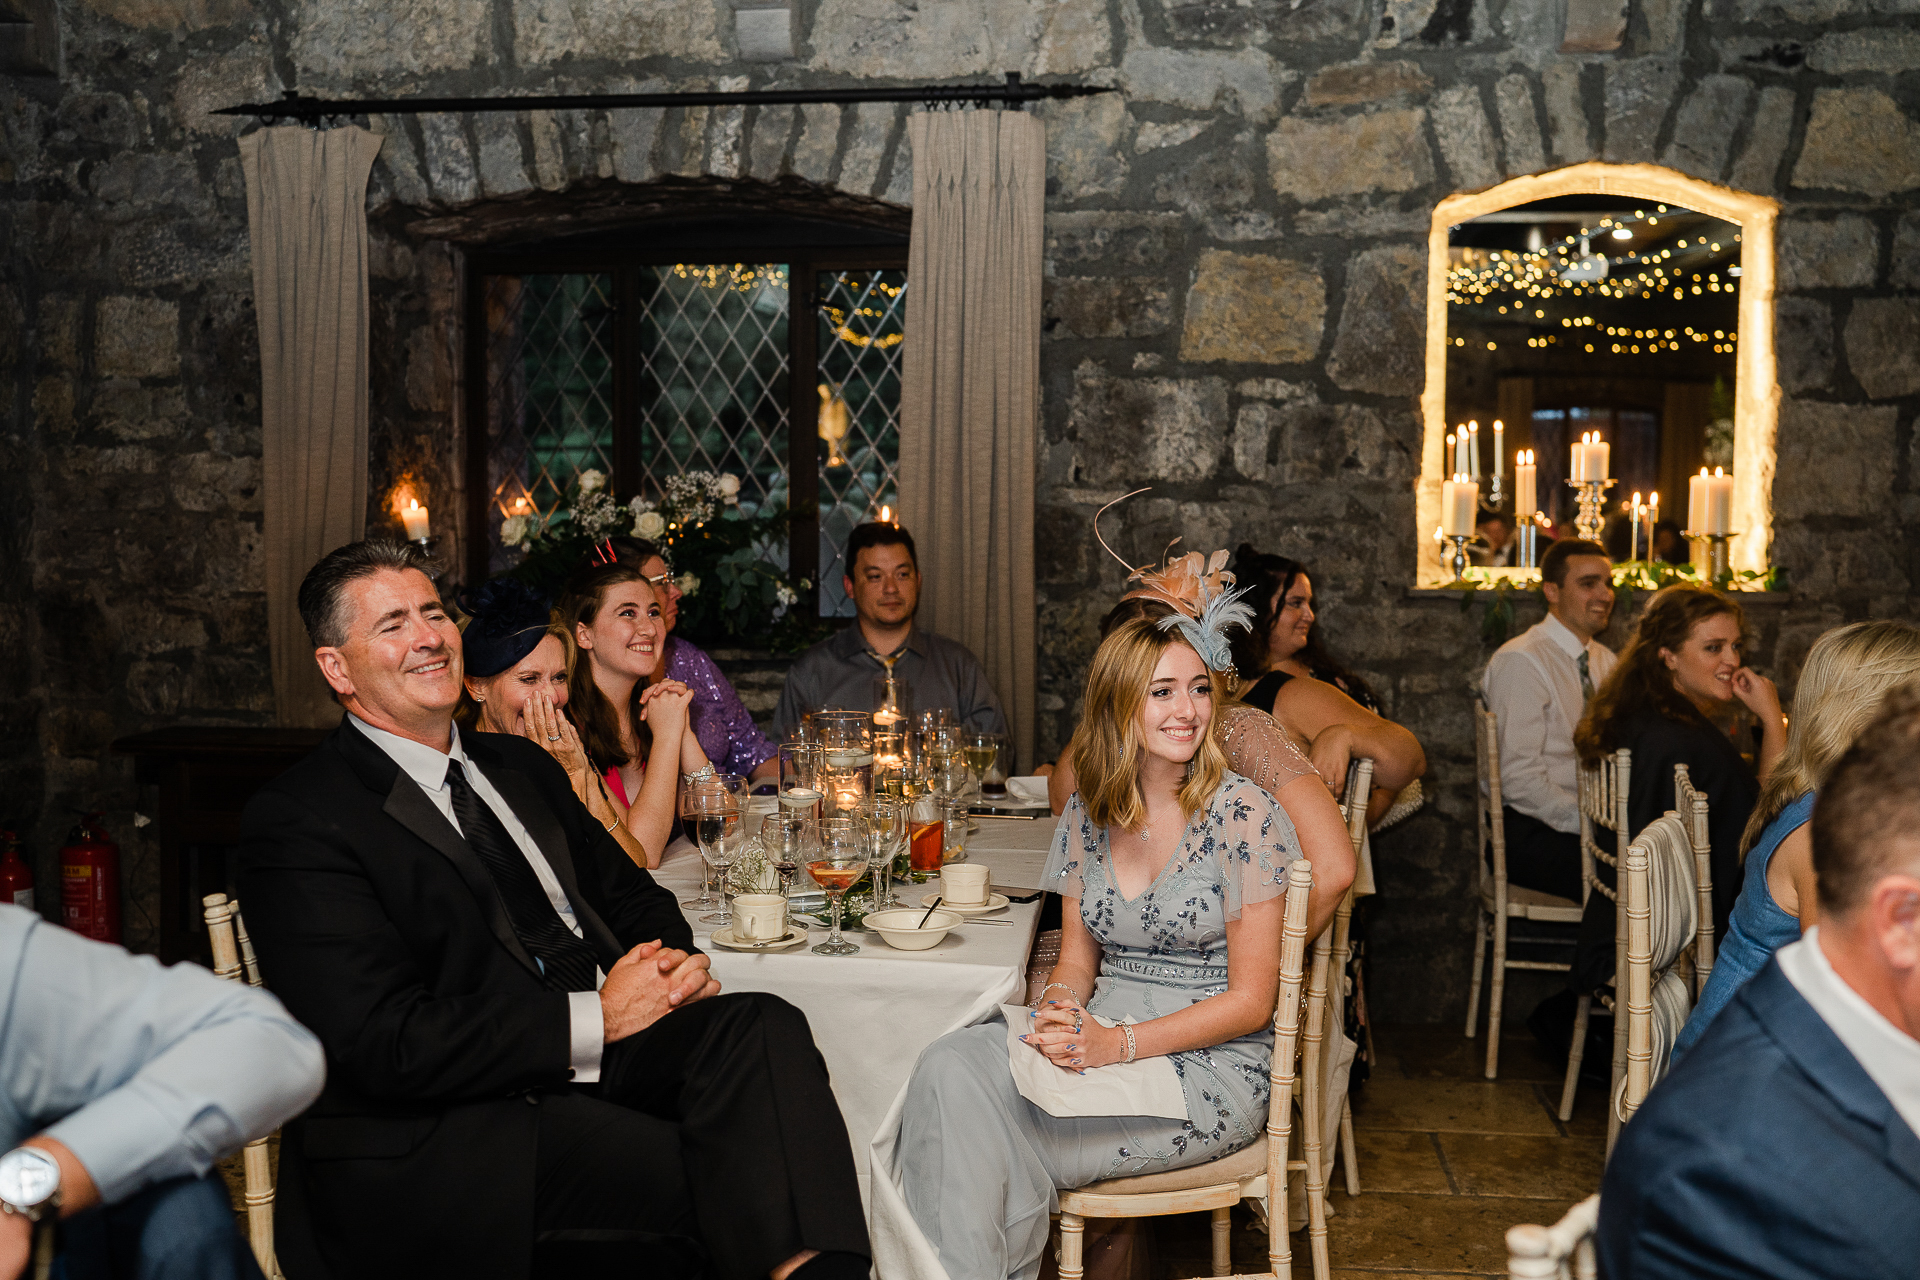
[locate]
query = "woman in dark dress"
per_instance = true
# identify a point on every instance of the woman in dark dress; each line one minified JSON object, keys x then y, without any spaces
{"x":1679,"y":674}
{"x":1287,"y":672}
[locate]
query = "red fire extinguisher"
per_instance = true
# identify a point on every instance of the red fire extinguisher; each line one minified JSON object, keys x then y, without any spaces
{"x":16,"y":877}
{"x":90,"y":881}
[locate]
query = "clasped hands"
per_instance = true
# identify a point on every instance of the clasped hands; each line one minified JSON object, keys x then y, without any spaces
{"x":1070,"y":1038}
{"x":649,"y":982}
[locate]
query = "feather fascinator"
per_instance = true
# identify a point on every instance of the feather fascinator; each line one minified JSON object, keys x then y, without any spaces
{"x":1198,"y":588}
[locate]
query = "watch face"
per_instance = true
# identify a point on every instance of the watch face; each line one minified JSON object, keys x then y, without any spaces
{"x":27,"y":1177}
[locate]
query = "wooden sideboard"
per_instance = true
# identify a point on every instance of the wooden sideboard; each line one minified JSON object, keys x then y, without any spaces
{"x":204,"y":775}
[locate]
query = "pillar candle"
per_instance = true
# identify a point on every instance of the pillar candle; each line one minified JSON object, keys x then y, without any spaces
{"x":1526,"y":500}
{"x":415,"y":518}
{"x":1697,"y":502}
{"x":1499,"y":446}
{"x":1598,"y":453}
{"x":1473,"y":450}
{"x":1653,"y":518}
{"x":1459,"y":503}
{"x":1633,"y":535}
{"x":1453,"y":454}
{"x":1719,"y":502}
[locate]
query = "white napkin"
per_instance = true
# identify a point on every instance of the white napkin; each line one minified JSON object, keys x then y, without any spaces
{"x":1033,"y":790}
{"x":1148,"y":1087}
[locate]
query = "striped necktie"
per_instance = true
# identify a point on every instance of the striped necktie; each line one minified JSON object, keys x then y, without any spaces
{"x":1586,"y":678}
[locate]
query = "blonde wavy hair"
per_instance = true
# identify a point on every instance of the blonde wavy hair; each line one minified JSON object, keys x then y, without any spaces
{"x":1849,"y":672}
{"x":1107,"y":747}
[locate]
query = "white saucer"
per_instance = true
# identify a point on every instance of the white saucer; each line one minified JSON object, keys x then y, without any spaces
{"x":723,"y":937}
{"x":995,"y":902}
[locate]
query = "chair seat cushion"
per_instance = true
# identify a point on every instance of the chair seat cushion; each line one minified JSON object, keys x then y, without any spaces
{"x":1519,"y":897}
{"x":1248,"y":1162}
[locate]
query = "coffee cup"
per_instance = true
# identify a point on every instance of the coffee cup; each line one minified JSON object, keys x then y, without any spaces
{"x":964,"y":884}
{"x":759,"y":917}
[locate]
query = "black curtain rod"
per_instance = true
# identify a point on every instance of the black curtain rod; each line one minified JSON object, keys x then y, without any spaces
{"x":296,"y":107}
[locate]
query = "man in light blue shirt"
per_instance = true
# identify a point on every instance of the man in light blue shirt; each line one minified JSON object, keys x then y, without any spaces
{"x":121,"y":1083}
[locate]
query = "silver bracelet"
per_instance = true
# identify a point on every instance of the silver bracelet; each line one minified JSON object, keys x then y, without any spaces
{"x":1064,"y":987}
{"x":1127,"y":1027}
{"x":698,"y":775}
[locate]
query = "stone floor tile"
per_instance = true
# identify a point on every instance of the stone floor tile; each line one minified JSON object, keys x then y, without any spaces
{"x":1509,"y":1165}
{"x":1431,"y":1233}
{"x":1443,"y":1052}
{"x":1388,"y":1101}
{"x":1397,"y":1161}
{"x":1589,"y":1108}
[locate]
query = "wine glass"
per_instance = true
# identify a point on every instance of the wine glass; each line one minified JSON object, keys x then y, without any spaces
{"x":885,"y":822}
{"x":842,"y":861}
{"x":689,"y":817}
{"x":793,"y":842}
{"x":711,"y":810}
{"x":982,"y":751}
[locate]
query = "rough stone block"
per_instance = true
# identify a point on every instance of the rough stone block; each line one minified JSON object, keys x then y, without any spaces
{"x":53,"y":406}
{"x":399,"y":160}
{"x":1803,"y":343}
{"x":1122,"y":239}
{"x":1356,"y":82}
{"x":867,"y":146}
{"x":1758,"y":168}
{"x":149,"y":178}
{"x":1171,"y":430}
{"x":1243,"y":225}
{"x":549,"y":30}
{"x":1834,"y":458}
{"x":1466,"y":139}
{"x":1566,"y":114}
{"x":1152,"y":137}
{"x":1841,"y":254}
{"x":1594,"y":26}
{"x":1883,"y":345}
{"x":819,"y":141}
{"x":549,"y":152}
{"x":772,"y":129}
{"x":1084,"y":153}
{"x":1383,"y":329}
{"x":1905,"y":272}
{"x":1639,"y":92}
{"x":1859,"y":140}
{"x":900,"y":179}
{"x":215,"y":482}
{"x":1083,"y":307}
{"x":105,"y":118}
{"x":449,"y":163}
{"x":1519,"y":127}
{"x":1253,"y":308}
{"x":429,"y":370}
{"x":1078,"y":37}
{"x":171,"y":15}
{"x":903,"y":39}
{"x":686,"y":151}
{"x":1215,"y":182}
{"x":1703,"y":131}
{"x":207,"y":83}
{"x":59,"y":331}
{"x":1881,"y":52}
{"x":1666,"y":25}
{"x":1379,"y":151}
{"x":763,"y":35}
{"x":726,"y":136}
{"x":500,"y":163}
{"x":1246,"y":81}
{"x":126,"y":410}
{"x":137,"y":338}
{"x":351,"y":41}
{"x":634,"y":132}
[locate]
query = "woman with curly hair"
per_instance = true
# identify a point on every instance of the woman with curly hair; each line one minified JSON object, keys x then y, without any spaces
{"x":1679,"y":674}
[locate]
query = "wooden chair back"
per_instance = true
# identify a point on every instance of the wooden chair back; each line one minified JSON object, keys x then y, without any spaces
{"x":1691,"y":804}
{"x":1488,"y":805}
{"x":1663,"y":853}
{"x":1563,"y":1251}
{"x":233,"y":959}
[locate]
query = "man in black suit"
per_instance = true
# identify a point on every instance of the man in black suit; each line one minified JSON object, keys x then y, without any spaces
{"x":1783,"y":1144}
{"x":530,"y":1070}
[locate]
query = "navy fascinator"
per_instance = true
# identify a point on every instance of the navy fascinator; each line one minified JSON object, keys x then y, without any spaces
{"x":509,"y":621}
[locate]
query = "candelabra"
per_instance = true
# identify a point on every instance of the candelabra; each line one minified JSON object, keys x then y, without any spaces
{"x":1712,"y":556}
{"x":1526,"y":535}
{"x":1457,"y":561}
{"x":1591,"y":494}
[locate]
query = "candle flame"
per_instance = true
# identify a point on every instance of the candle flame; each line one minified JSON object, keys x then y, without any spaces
{"x":1653,"y":499}
{"x":886,"y":515}
{"x":1719,"y":471}
{"x":1497,"y":425}
{"x":1439,"y":533}
{"x":1472,"y":425}
{"x":1636,"y":497}
{"x":413,"y":504}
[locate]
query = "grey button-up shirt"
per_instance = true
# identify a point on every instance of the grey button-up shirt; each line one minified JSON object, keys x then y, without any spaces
{"x":839,"y":672}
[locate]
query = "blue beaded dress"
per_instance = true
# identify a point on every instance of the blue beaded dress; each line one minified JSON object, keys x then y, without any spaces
{"x":980,"y":1165}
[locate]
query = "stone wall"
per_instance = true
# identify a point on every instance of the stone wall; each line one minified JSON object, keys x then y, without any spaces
{"x":1234,"y":302}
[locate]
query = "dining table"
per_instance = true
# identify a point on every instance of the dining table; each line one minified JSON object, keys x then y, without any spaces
{"x":874,"y":1012}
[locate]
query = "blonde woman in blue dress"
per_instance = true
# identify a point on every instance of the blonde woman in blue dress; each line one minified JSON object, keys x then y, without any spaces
{"x":1173,"y":874}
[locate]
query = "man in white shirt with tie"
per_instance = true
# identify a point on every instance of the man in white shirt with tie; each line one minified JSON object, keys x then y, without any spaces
{"x":1538,"y":685}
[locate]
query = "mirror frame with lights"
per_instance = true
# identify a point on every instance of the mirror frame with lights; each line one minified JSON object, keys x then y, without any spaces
{"x":1756,"y":407}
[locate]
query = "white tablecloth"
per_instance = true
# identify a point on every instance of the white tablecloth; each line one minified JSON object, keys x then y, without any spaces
{"x":873,"y":1013}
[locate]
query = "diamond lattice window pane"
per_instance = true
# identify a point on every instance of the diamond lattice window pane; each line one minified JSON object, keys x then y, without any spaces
{"x":713,"y":376}
{"x":549,"y":391}
{"x":862,"y":326}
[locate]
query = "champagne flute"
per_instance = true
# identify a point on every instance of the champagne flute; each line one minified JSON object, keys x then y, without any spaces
{"x":689,"y":817}
{"x":714,"y":810}
{"x":794,"y":844}
{"x":884,"y":820}
{"x":842,"y":861}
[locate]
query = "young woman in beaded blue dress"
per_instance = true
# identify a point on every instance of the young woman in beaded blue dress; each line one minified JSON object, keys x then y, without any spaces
{"x":1172,"y":871}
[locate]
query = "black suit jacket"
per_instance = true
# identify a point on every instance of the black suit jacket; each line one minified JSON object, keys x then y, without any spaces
{"x":1768,"y":1152}
{"x":383,"y":933}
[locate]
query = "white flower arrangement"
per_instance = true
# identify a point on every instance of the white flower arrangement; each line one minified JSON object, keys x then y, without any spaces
{"x":592,"y":481}
{"x":649,"y":525}
{"x":689,"y":583}
{"x":515,"y":531}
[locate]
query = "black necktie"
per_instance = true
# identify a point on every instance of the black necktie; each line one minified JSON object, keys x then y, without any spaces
{"x":568,"y":960}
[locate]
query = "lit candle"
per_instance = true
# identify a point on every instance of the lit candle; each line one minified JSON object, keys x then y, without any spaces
{"x":1499,"y":448}
{"x":1453,"y":452}
{"x":1473,"y":450}
{"x":1697,"y":502}
{"x":1459,"y":502}
{"x":1526,"y":499}
{"x":415,"y":518}
{"x":1653,"y":518}
{"x":1633,"y":535}
{"x":1719,"y":502}
{"x":1598,"y":467}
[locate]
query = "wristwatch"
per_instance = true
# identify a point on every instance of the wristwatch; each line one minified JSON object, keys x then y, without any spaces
{"x":29,"y":1184}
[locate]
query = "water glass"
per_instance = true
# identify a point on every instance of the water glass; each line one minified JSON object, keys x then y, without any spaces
{"x":709,"y":810}
{"x":886,"y":830}
{"x":841,"y":863}
{"x":953,"y":840}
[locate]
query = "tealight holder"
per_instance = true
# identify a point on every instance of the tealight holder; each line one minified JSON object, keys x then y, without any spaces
{"x":1592,"y":496}
{"x":1712,"y":556}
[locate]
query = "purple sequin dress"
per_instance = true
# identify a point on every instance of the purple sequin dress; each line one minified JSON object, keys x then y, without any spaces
{"x":727,"y":733}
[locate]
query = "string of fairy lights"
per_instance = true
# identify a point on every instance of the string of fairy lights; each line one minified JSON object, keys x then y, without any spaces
{"x":745,"y":277}
{"x":1571,"y":268}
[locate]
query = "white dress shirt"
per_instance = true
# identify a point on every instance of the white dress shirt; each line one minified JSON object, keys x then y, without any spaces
{"x":1889,"y":1056}
{"x":145,"y":1073}
{"x":428,"y":769}
{"x":1533,"y":685}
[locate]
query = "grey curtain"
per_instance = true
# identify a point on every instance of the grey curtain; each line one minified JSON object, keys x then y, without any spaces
{"x":970,"y":388}
{"x":307,"y":219}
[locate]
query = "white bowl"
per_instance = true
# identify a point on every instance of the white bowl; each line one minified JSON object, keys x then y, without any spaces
{"x":898,"y":927}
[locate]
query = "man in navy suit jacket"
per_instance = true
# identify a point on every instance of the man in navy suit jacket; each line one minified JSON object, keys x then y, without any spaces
{"x":1783,"y":1145}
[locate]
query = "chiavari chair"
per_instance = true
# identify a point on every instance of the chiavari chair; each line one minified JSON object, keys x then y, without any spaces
{"x":1692,"y":807}
{"x":1604,"y":787}
{"x":1662,"y":918}
{"x":1563,"y":1251}
{"x":233,"y":959}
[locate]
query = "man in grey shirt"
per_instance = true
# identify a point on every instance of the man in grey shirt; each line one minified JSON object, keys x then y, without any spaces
{"x":883,"y":581}
{"x":121,"y":1083}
